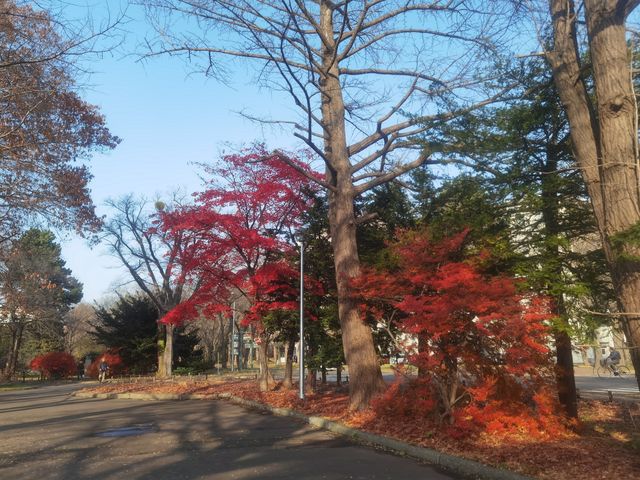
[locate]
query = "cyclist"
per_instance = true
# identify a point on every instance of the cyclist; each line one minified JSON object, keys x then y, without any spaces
{"x":613,"y":360}
{"x":103,"y":368}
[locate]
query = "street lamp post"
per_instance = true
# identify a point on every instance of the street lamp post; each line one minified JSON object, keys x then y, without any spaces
{"x":233,"y":336}
{"x":301,"y":353}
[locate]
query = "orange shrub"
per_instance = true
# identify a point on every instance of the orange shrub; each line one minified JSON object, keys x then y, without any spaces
{"x":54,"y":365}
{"x":113,"y":360}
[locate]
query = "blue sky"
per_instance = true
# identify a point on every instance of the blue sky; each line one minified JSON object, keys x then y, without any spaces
{"x":168,"y":118}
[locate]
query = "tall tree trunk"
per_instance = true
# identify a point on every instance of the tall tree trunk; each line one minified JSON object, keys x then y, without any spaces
{"x":605,"y":144}
{"x":617,"y":116}
{"x":252,"y":334}
{"x":223,"y":350}
{"x":311,"y":381}
{"x":288,"y":365}
{"x":167,"y":354}
{"x":423,"y":345}
{"x":265,"y":379}
{"x":161,"y":343}
{"x":359,"y":350}
{"x":14,"y":351}
{"x":240,"y":349}
{"x":565,"y":378}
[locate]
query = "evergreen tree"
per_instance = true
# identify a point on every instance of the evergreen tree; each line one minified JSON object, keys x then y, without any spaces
{"x":388,"y":209}
{"x":129,"y":326}
{"x":36,"y":290}
{"x":522,"y":155}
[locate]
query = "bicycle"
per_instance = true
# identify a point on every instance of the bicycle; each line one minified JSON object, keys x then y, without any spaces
{"x":102,"y":376}
{"x":605,"y":371}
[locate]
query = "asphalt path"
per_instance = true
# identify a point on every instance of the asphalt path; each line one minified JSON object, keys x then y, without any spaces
{"x":48,"y":434}
{"x":589,"y":385}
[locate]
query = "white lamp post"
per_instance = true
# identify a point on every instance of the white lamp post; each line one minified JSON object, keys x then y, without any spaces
{"x":301,"y":353}
{"x":233,"y":336}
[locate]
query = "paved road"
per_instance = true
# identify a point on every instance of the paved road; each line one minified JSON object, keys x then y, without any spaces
{"x":47,"y":435}
{"x":596,"y":386}
{"x":588,"y":384}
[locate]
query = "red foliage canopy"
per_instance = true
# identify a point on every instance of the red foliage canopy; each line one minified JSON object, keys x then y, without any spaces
{"x":54,"y":365}
{"x":242,"y":226}
{"x":275,"y":287}
{"x":474,"y":338}
{"x":112,"y":359}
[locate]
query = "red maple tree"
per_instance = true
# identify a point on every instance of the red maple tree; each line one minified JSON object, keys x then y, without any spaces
{"x":243,"y":228}
{"x":476,"y":340}
{"x":113,"y":360}
{"x":54,"y":365}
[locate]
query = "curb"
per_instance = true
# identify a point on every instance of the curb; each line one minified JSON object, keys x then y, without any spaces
{"x":449,"y":463}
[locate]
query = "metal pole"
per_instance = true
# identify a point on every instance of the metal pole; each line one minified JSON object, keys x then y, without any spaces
{"x":251,"y":340}
{"x":233,"y":336}
{"x":301,"y":356}
{"x":240,"y":353}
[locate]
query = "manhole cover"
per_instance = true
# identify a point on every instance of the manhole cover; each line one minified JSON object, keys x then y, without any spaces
{"x":127,"y":431}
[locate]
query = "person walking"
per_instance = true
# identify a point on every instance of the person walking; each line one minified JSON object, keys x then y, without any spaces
{"x":103,"y":368}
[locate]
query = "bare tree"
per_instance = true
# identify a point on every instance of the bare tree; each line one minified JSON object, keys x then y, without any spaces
{"x":151,"y":258}
{"x":604,"y":134}
{"x":46,"y":129}
{"x":354,"y":69}
{"x":213,"y":338}
{"x":77,"y":331}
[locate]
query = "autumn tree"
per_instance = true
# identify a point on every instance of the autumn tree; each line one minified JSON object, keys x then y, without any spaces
{"x":77,"y":328}
{"x":152,"y":259}
{"x":46,"y":130}
{"x":527,"y":199}
{"x":275,"y":291}
{"x":213,"y":338}
{"x":54,"y":365}
{"x":472,"y":335}
{"x":36,"y":290}
{"x":354,"y":69}
{"x":604,"y":138}
{"x":243,"y":225}
{"x":322,"y":336}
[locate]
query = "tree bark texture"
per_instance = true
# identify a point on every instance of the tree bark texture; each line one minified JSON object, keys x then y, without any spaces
{"x":565,"y":378}
{"x":288,"y":365}
{"x":167,"y":354}
{"x":359,"y":350}
{"x":311,"y":381}
{"x":12,"y":359}
{"x":265,"y":379}
{"x":161,"y":342}
{"x":604,"y":138}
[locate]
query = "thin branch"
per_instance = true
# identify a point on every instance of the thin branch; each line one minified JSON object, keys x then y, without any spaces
{"x":388,"y":176}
